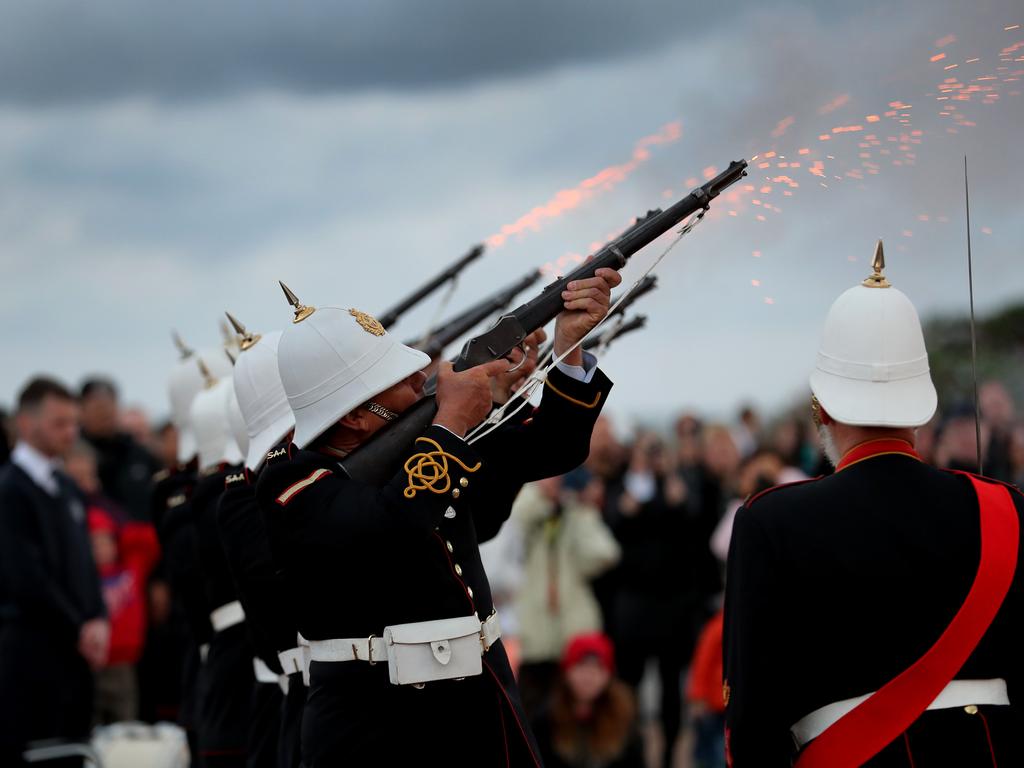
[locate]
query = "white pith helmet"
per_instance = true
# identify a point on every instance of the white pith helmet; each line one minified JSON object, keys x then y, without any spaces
{"x":236,"y":422}
{"x":214,"y":441}
{"x":872,"y":367}
{"x":332,"y":360}
{"x":186,"y":381}
{"x":261,"y":396}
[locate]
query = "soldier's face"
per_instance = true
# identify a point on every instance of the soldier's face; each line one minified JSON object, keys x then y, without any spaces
{"x":398,"y":398}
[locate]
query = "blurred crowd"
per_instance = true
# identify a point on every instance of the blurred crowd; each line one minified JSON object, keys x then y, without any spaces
{"x":609,"y":579}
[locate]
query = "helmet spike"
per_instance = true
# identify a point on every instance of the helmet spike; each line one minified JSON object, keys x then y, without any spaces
{"x":301,"y":310}
{"x":245,"y":339}
{"x":208,"y":378}
{"x":877,"y":277}
{"x":183,"y":348}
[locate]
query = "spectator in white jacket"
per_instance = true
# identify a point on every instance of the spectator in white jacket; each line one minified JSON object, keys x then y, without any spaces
{"x":566,"y":544}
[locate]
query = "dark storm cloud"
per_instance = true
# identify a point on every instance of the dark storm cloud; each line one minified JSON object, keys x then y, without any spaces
{"x":56,"y":51}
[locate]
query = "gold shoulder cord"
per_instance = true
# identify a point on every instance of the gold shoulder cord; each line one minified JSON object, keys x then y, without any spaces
{"x":428,"y":470}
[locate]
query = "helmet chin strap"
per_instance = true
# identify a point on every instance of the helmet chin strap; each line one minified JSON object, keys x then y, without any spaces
{"x":379,"y":410}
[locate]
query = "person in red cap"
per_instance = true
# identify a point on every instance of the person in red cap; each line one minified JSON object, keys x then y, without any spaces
{"x":591,"y":719}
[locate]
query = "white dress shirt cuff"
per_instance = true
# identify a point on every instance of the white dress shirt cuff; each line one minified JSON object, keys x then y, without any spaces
{"x":583,"y":372}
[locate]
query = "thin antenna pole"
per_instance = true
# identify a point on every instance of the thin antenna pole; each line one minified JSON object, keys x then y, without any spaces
{"x":974,"y":335}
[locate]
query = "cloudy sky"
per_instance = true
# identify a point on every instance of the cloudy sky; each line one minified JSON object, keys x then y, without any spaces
{"x":160,"y":163}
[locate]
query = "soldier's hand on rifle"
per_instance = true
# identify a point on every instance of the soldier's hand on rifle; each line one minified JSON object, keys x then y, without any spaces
{"x":586,"y":303}
{"x":504,"y":384}
{"x":464,"y":397}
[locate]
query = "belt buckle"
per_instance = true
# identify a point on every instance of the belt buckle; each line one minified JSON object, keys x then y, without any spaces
{"x":369,"y":651}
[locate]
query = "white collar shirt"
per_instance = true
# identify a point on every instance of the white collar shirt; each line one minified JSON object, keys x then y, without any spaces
{"x":40,"y":468}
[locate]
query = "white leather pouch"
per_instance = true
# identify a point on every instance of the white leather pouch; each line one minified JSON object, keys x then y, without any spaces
{"x":426,"y":651}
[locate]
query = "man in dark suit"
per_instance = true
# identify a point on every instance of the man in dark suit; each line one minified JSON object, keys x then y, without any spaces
{"x":845,"y":638}
{"x":52,"y":618}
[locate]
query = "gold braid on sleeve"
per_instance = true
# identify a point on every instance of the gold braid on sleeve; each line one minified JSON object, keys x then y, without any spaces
{"x":428,"y":470}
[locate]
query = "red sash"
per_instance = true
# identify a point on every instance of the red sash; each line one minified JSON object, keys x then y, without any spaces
{"x":868,"y":728}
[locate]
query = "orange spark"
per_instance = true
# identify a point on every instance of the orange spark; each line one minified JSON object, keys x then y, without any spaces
{"x":937,"y":57}
{"x":710,"y":172}
{"x":986,"y":230}
{"x":782,"y":126}
{"x":755,"y":283}
{"x":942,"y":42}
{"x":769,"y":300}
{"x":568,"y":199}
{"x":872,"y":118}
{"x":804,"y":151}
{"x":756,"y":254}
{"x":833,"y":105}
{"x":847,"y":128}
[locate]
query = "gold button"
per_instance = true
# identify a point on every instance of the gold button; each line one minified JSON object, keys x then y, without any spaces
{"x":456,"y":493}
{"x":449,"y":545}
{"x":464,"y":483}
{"x":971,"y":709}
{"x":458,"y":569}
{"x":469,"y":591}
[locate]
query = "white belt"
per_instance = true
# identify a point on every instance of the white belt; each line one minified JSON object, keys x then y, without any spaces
{"x":264,"y":674}
{"x":306,"y":657}
{"x":227,"y":616}
{"x":959,"y":693}
{"x":374,"y":649}
{"x":292,"y":660}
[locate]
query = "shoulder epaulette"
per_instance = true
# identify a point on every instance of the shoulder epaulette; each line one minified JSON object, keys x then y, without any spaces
{"x":176,"y":500}
{"x":754,"y":497}
{"x":160,"y":476}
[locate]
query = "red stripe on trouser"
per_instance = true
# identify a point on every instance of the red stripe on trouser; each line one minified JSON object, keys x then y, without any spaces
{"x":868,"y":728}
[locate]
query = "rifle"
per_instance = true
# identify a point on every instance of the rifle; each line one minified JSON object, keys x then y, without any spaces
{"x":635,"y":323}
{"x":389,"y":318}
{"x":448,"y":331}
{"x":376,"y":461}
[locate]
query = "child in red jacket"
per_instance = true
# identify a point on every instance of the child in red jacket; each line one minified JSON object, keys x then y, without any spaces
{"x":125,"y":553}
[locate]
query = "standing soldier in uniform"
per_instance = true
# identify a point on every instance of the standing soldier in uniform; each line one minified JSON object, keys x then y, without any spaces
{"x":875,"y":616}
{"x":172,"y":514}
{"x":227,"y":675}
{"x":268,"y":610}
{"x":407,"y":664}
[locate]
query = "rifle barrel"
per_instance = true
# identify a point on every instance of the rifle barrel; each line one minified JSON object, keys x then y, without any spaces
{"x":389,"y":318}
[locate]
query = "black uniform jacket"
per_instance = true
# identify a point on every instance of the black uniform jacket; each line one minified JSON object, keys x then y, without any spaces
{"x":227,"y":676}
{"x":359,"y":558}
{"x":269,"y":615}
{"x":837,"y":585}
{"x":179,"y":539}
